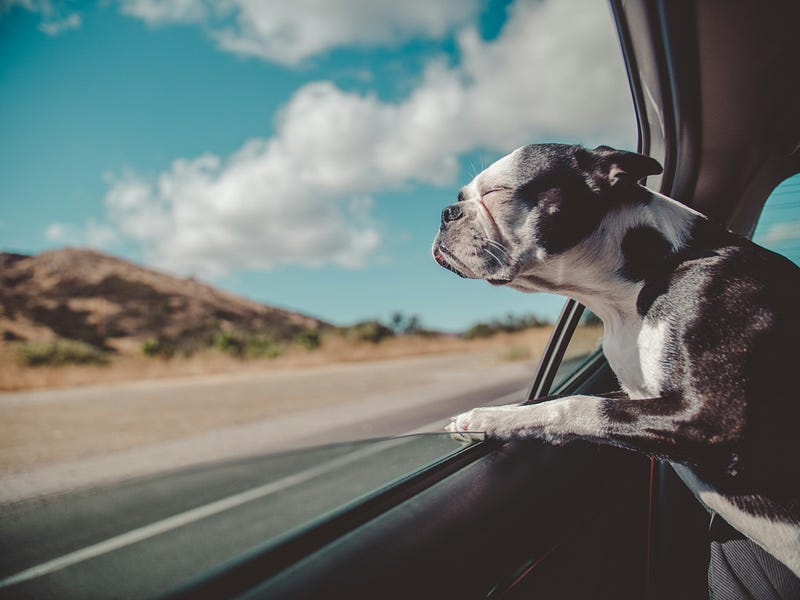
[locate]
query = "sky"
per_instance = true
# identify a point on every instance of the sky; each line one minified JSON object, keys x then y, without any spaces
{"x":297,"y":153}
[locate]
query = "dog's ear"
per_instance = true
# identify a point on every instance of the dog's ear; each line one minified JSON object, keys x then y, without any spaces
{"x":610,"y":168}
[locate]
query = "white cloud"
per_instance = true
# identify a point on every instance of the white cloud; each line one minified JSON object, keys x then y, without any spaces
{"x":780,"y":232}
{"x":303,"y":195}
{"x":56,"y":19}
{"x":161,"y":12}
{"x":58,"y":26}
{"x":94,"y":234}
{"x":57,"y":232}
{"x":290,"y":32}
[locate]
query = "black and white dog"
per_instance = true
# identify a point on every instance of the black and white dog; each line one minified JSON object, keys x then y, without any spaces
{"x":701,"y":326}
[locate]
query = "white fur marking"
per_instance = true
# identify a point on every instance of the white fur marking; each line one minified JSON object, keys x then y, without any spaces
{"x":782,"y":540}
{"x":551,"y":421}
{"x":651,"y":342}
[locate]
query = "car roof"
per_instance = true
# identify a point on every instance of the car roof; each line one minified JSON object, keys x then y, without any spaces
{"x":717,"y":96}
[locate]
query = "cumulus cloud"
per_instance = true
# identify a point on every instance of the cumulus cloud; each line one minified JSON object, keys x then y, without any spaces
{"x":289,"y":32}
{"x":94,"y":234}
{"x":780,"y":232}
{"x":56,"y":18}
{"x":304,"y":195}
{"x":208,"y":217}
{"x":161,"y":12}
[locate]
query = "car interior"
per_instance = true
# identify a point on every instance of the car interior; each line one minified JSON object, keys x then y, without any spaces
{"x":716,"y":95}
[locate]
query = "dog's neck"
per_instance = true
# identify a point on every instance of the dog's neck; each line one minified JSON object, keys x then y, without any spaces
{"x":595,"y":272}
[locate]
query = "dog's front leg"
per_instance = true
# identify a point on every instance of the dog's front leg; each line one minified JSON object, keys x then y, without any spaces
{"x":656,"y":426}
{"x":554,"y":421}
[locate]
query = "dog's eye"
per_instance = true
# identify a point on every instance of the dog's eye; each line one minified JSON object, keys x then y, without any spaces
{"x":495,"y":190}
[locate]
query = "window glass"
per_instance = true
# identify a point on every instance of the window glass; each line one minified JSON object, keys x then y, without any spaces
{"x":172,"y":528}
{"x":779,"y":225}
{"x":215,"y":253}
{"x":585,"y":342}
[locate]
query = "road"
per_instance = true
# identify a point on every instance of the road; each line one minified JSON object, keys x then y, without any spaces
{"x":138,"y":535}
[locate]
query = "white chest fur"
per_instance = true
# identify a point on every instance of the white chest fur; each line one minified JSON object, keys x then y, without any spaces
{"x":635,"y":351}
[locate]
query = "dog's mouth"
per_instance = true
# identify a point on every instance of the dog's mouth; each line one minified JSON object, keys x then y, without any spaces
{"x":449,"y":262}
{"x":446,"y":259}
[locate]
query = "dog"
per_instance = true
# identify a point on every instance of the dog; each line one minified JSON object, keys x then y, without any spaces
{"x":701,"y":326}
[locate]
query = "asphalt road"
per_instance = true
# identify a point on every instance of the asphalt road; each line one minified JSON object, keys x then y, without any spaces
{"x":140,"y":537}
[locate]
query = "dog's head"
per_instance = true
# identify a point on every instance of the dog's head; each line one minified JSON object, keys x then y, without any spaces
{"x":535,"y":203}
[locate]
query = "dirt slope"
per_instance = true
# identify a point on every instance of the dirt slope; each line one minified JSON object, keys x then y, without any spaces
{"x":111,"y":303}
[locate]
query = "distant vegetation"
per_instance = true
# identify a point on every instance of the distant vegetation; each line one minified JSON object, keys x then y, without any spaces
{"x":246,"y":345}
{"x":511,"y":324}
{"x":59,"y":352}
{"x":239,"y":344}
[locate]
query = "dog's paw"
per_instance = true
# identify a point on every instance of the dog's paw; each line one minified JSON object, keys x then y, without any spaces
{"x":506,"y":423}
{"x":474,"y":425}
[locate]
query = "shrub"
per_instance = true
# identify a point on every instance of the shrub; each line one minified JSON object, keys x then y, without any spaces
{"x":480,"y":330}
{"x":242,"y":345}
{"x":161,"y":348}
{"x":261,"y":347}
{"x":309,"y":339}
{"x":510,"y":324}
{"x":369,"y":331}
{"x":229,"y":342}
{"x":60,"y":352}
{"x":406,"y":325}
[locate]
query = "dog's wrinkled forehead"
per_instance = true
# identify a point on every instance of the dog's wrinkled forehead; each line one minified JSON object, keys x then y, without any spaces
{"x":542,"y":160}
{"x":525,"y":164}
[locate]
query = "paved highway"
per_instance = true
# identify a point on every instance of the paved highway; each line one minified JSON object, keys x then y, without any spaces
{"x":139,"y":537}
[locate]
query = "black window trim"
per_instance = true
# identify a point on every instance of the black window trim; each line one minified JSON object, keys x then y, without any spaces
{"x":554,"y":350}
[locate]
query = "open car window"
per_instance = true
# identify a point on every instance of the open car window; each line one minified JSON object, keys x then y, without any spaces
{"x":200,"y":269}
{"x":584,"y":345}
{"x":779,"y":225}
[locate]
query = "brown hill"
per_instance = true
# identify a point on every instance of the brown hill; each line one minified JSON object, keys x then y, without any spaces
{"x":111,"y":303}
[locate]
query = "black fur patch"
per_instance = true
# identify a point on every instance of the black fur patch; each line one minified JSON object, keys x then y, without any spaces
{"x":704,"y":242}
{"x":646,"y":252}
{"x":568,"y":209}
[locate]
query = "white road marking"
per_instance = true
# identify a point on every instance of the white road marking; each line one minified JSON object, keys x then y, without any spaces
{"x":208,"y":510}
{"x":196,"y":514}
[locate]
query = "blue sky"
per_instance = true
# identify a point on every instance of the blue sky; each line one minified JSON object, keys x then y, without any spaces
{"x":295,"y":153}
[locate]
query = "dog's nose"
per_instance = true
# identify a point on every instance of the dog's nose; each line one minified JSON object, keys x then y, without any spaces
{"x":451,"y":213}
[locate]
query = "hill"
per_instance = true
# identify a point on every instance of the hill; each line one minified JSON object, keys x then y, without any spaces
{"x":113,"y":304}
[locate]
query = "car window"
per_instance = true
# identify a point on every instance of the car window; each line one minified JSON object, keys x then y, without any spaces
{"x":779,"y":225}
{"x":215,"y":266}
{"x":174,"y":529}
{"x":585,"y":343}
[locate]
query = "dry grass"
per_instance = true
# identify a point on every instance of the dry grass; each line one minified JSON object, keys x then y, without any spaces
{"x":334,"y":349}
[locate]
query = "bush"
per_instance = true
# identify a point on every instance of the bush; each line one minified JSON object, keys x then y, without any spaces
{"x":480,"y":330}
{"x":309,"y":339}
{"x":155,"y":348}
{"x":510,"y":324}
{"x":229,"y":342}
{"x":243,"y":345}
{"x":369,"y":331}
{"x":60,"y":352}
{"x":261,"y":347}
{"x":406,"y":325}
